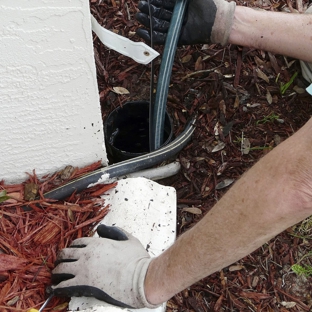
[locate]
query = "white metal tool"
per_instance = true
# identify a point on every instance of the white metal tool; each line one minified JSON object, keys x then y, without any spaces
{"x":138,"y":51}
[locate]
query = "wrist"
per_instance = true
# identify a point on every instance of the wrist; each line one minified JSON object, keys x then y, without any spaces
{"x":223,"y":22}
{"x":144,"y":288}
{"x":149,"y":284}
{"x":155,"y":284}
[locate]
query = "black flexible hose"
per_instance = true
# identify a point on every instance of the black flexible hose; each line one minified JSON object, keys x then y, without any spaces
{"x":158,"y":117}
{"x":125,"y":167}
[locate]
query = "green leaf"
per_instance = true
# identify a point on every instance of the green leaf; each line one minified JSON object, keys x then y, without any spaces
{"x":3,"y":196}
{"x":285,"y":86}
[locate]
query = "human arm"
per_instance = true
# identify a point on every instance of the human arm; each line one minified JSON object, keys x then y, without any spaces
{"x":273,"y":195}
{"x":283,"y":33}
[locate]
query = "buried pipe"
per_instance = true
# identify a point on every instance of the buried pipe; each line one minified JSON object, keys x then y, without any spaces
{"x":125,"y":167}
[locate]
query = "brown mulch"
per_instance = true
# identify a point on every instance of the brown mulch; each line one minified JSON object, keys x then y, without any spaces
{"x":32,"y":231}
{"x":236,"y":92}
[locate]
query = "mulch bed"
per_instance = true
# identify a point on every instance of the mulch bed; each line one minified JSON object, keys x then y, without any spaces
{"x":242,"y":115}
{"x":236,"y":92}
{"x":32,"y":231}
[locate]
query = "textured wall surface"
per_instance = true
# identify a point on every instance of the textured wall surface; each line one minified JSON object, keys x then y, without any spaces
{"x":49,"y":109}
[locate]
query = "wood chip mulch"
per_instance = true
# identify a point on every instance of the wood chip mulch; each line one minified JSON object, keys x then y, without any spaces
{"x":33,"y":231}
{"x":242,"y":115}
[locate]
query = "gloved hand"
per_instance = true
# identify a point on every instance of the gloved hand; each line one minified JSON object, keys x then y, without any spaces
{"x":207,"y":21}
{"x":111,"y":269}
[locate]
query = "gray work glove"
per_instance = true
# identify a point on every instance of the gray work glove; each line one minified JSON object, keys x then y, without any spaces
{"x":111,"y":268}
{"x":207,"y":21}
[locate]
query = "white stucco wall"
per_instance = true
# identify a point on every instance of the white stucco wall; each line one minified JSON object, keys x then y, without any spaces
{"x":49,"y":109}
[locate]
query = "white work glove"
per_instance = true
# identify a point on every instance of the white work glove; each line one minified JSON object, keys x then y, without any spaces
{"x":206,"y":21}
{"x":111,"y":268}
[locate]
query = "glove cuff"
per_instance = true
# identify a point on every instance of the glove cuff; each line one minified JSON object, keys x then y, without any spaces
{"x":141,"y":271}
{"x":223,"y":22}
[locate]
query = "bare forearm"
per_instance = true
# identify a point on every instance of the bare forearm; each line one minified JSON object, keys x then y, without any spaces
{"x":288,"y":34}
{"x":264,"y":202}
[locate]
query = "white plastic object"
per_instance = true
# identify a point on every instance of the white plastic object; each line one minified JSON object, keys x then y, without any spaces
{"x":148,"y":211}
{"x":157,"y":173}
{"x":309,"y":89}
{"x":138,"y":51}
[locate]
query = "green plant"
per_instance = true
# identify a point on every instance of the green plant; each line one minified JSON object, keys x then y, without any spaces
{"x":269,"y":118}
{"x":303,"y":229}
{"x":305,"y":270}
{"x":284,"y":87}
{"x":3,"y":196}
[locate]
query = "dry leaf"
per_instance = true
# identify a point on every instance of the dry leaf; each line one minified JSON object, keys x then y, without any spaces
{"x":245,"y":146}
{"x":185,"y":162}
{"x":237,"y":267}
{"x":66,"y":173}
{"x":186,"y":59}
{"x":198,"y":64}
{"x":259,"y":62}
{"x":288,"y":305}
{"x":120,"y":90}
{"x":253,"y":105}
{"x":222,"y":107}
{"x":277,"y":139}
{"x":273,"y":62}
{"x":262,"y":75}
{"x":222,"y":168}
{"x":224,"y":183}
{"x":192,"y":210}
{"x":218,"y":147}
{"x":236,"y":103}
{"x":269,"y":97}
{"x":216,"y":129}
{"x":255,"y":281}
{"x":299,"y":90}
{"x":205,"y":47}
{"x":31,"y":191}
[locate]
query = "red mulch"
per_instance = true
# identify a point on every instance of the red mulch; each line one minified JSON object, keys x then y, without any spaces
{"x":234,"y":90}
{"x":33,"y":231}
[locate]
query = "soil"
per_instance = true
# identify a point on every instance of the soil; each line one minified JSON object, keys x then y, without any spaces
{"x":235,"y":91}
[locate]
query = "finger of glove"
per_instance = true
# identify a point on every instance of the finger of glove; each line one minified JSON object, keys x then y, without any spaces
{"x":86,"y":291}
{"x":158,"y":37}
{"x":67,"y":255}
{"x":167,"y":4}
{"x":159,"y":13}
{"x":158,"y":25}
{"x":58,"y":278}
{"x":63,"y":272}
{"x":111,"y":232}
{"x":81,"y":242}
{"x":66,"y":268}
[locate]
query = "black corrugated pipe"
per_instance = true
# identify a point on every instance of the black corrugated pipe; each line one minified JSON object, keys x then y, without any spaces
{"x":125,"y":167}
